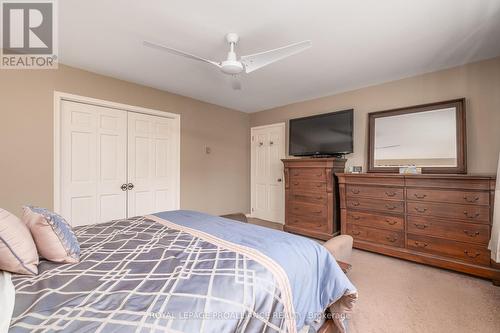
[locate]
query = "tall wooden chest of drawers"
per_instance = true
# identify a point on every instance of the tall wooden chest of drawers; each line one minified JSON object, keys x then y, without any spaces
{"x":312,"y":197}
{"x":440,"y":220}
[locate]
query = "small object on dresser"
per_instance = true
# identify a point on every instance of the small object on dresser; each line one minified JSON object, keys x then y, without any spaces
{"x":410,"y":170}
{"x":356,"y":169}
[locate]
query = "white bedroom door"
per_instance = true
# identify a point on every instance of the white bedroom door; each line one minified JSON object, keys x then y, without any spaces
{"x":268,"y":148}
{"x":93,"y":163}
{"x":151,"y":164}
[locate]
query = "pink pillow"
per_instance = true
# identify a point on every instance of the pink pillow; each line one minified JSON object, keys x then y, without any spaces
{"x":53,"y":236}
{"x":17,"y":249}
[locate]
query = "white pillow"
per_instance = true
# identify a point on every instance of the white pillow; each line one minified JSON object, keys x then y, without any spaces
{"x":7,"y":299}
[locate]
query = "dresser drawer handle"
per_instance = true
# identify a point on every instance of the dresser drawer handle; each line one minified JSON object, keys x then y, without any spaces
{"x":471,"y":255}
{"x":471,"y":233}
{"x":355,"y":203}
{"x":420,"y":196}
{"x":318,"y":212}
{"x":319,"y":198}
{"x":355,"y":191}
{"x":319,"y":185}
{"x":471,"y":216}
{"x":356,"y":217}
{"x":390,"y":194}
{"x":390,"y":207}
{"x":420,"y":210}
{"x":389,"y":222}
{"x":296,"y":183}
{"x":296,"y":174}
{"x":419,"y":244}
{"x":356,"y":233}
{"x":470,"y":200}
{"x":420,"y":226}
{"x":391,"y":239}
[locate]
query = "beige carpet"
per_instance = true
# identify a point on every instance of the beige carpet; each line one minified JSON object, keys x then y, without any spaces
{"x":400,"y":296}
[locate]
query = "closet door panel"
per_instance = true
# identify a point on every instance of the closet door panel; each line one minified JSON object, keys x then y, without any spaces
{"x":151,"y":165}
{"x":93,"y":163}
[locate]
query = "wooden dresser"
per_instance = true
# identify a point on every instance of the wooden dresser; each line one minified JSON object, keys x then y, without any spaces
{"x":311,"y":196}
{"x":440,"y":220}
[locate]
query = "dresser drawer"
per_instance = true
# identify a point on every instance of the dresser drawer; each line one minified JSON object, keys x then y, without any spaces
{"x":378,"y":236}
{"x":448,"y":248}
{"x":307,"y":186}
{"x":478,"y":214}
{"x":376,"y":220}
{"x":309,"y":222}
{"x":452,"y":183}
{"x":306,"y":209}
{"x":314,"y":198}
{"x":374,"y":204}
{"x":355,"y":191}
{"x":314,"y":174}
{"x":459,"y":231}
{"x":449,"y":196}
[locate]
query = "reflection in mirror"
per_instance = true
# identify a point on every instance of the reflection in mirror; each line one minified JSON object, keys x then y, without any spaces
{"x":422,"y":139}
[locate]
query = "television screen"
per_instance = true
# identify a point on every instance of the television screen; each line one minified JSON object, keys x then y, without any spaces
{"x":324,"y":134}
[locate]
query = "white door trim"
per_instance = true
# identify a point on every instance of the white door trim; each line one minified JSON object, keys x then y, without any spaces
{"x":62,"y":96}
{"x":252,"y":162}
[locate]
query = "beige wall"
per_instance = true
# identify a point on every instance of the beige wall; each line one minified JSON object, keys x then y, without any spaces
{"x":216,"y":183}
{"x":478,"y":82}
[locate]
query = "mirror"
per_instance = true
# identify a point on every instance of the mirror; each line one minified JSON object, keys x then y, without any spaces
{"x":430,"y":136}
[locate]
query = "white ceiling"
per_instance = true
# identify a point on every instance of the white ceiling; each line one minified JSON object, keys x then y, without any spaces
{"x":355,"y":43}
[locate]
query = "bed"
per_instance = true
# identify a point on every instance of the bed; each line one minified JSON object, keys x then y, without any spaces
{"x":185,"y":271}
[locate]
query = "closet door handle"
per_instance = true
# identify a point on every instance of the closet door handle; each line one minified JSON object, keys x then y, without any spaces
{"x":130,"y":186}
{"x":124,"y":187}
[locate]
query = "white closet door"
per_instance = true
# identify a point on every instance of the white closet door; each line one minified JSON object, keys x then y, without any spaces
{"x":93,"y":163}
{"x":152,"y":164}
{"x":268,"y":148}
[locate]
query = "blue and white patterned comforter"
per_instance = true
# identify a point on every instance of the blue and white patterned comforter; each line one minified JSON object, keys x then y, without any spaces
{"x":182,"y":271}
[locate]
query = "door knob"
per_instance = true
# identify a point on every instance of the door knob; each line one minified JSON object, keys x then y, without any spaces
{"x":130,"y":186}
{"x":279,"y":180}
{"x":124,"y":187}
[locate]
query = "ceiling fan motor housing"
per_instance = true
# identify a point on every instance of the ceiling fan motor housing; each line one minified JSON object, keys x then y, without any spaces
{"x":231,"y":67}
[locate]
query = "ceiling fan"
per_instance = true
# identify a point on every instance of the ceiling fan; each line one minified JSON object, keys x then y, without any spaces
{"x":233,"y":66}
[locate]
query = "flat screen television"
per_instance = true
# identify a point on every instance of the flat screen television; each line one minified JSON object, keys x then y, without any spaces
{"x":324,"y":134}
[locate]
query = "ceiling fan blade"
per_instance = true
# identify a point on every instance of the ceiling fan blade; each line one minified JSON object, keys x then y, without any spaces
{"x":258,"y":60}
{"x":178,"y":52}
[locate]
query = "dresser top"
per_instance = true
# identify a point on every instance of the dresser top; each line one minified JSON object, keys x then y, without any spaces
{"x":425,"y":175}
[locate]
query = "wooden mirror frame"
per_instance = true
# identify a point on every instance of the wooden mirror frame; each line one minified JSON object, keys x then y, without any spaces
{"x":459,"y":104}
